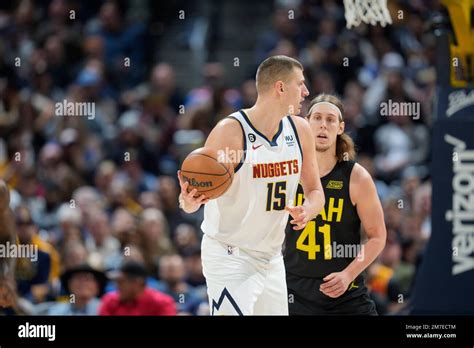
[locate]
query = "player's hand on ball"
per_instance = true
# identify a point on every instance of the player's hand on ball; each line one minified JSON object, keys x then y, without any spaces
{"x":189,"y":201}
{"x":299,"y":215}
{"x":335,"y":284}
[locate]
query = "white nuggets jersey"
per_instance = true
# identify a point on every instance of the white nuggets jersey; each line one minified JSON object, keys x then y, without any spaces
{"x":251,"y":214}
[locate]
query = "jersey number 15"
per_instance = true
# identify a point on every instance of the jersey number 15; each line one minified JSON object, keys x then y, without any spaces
{"x":276,"y":195}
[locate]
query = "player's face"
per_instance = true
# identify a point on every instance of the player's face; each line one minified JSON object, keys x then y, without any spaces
{"x":296,"y":91}
{"x":325,"y":125}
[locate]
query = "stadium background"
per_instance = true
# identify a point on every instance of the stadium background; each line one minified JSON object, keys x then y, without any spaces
{"x":160,"y":77}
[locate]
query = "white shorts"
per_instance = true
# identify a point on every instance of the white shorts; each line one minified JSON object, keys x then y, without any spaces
{"x":242,"y":282}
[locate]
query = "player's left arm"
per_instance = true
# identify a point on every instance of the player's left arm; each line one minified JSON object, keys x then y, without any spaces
{"x":310,"y":180}
{"x":364,"y":195}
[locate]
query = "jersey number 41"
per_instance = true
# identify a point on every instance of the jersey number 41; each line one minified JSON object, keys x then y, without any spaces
{"x":309,"y":235}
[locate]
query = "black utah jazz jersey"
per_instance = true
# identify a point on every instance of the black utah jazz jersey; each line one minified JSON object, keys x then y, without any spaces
{"x":331,"y":241}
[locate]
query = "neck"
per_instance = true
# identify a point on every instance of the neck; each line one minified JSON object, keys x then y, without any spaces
{"x":326,"y":161}
{"x":266,"y":115}
{"x":177,"y":287}
{"x":135,"y":295}
{"x":81,"y":302}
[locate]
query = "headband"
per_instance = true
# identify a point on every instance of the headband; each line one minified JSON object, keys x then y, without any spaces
{"x":327,"y":103}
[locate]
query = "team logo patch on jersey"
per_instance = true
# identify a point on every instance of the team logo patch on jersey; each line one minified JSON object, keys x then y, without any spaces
{"x":334,"y":184}
{"x":252,"y":137}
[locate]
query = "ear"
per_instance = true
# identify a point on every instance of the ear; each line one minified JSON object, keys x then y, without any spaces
{"x":280,"y":87}
{"x":342,"y":126}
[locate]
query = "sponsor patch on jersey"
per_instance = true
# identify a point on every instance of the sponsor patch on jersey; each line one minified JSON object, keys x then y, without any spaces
{"x":290,"y":140}
{"x":334,"y":184}
{"x":252,"y":137}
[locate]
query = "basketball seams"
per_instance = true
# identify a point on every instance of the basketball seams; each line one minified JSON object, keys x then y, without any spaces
{"x":210,"y":174}
{"x":227,"y":172}
{"x":215,"y":159}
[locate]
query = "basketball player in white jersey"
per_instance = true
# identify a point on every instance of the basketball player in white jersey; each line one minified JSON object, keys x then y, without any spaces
{"x":244,"y":228}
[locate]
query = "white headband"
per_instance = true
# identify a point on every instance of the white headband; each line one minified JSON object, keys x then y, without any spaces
{"x":327,"y":103}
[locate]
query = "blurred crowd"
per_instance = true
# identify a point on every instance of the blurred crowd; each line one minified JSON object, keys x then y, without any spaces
{"x":99,"y":195}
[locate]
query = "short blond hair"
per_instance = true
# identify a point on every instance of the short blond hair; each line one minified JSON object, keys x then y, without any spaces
{"x":275,"y":68}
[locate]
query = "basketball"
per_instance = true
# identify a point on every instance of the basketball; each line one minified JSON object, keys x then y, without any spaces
{"x":205,"y":173}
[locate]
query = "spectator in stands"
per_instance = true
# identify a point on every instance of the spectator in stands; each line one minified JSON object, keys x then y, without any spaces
{"x":124,"y":227}
{"x":101,"y":244}
{"x":185,"y":238}
{"x":154,"y":237}
{"x":74,"y":253}
{"x":33,"y":274}
{"x":400,"y":143}
{"x":104,"y":176}
{"x":70,"y":222}
{"x":132,"y":253}
{"x":168,"y":192}
{"x":172,"y":275}
{"x":122,"y":40}
{"x":133,"y":296}
{"x":84,"y":285}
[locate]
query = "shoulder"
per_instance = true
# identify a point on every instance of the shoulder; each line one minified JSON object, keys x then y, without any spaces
{"x":229,"y":125}
{"x":59,"y":309}
{"x":360,"y":182}
{"x":161,"y":301}
{"x":110,"y":298}
{"x":93,"y":306}
{"x":360,"y":175}
{"x":42,"y":245}
{"x":302,"y":127}
{"x":299,"y":122}
{"x":227,"y":133}
{"x":159,"y":296}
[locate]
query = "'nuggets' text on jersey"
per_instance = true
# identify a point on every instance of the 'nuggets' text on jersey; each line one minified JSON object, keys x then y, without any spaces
{"x":272,"y":170}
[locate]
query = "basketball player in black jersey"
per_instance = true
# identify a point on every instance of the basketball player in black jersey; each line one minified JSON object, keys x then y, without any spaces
{"x":325,"y":261}
{"x":7,"y":236}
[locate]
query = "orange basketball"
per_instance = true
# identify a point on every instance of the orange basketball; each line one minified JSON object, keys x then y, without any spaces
{"x":205,"y":173}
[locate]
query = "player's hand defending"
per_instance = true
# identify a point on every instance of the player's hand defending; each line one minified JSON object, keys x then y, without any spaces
{"x":335,"y":284}
{"x":299,"y":215}
{"x":188,"y":200}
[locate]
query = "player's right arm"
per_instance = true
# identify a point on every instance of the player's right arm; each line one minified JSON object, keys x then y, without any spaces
{"x":7,"y":234}
{"x":226,"y":136}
